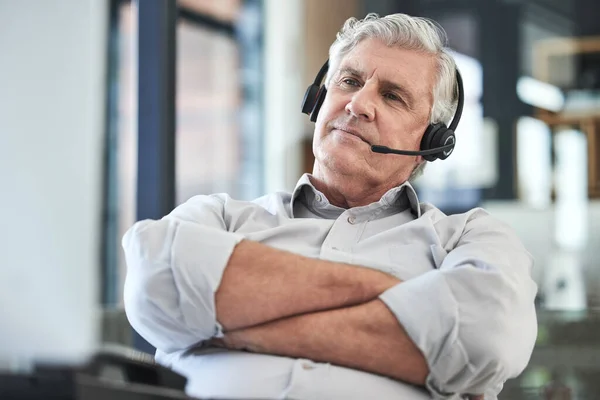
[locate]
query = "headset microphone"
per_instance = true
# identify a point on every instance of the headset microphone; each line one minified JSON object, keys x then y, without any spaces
{"x":386,"y":150}
{"x":438,"y":140}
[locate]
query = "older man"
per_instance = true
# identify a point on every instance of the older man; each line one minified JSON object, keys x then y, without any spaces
{"x":348,"y":287}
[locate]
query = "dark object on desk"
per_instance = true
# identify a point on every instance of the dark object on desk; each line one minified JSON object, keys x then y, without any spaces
{"x":111,"y":374}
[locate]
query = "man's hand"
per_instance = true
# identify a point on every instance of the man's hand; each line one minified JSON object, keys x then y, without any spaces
{"x":234,"y":340}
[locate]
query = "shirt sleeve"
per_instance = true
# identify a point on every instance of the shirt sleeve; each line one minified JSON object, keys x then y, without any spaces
{"x":174,"y":267}
{"x":474,"y":317}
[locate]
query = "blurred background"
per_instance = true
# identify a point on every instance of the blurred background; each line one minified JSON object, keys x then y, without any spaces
{"x":113,"y":111}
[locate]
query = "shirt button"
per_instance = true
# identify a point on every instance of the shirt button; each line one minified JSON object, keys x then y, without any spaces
{"x":351,"y":220}
{"x":307,"y":366}
{"x":319,"y":198}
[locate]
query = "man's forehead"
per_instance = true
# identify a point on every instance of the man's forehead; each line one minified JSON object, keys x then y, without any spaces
{"x":366,"y":67}
{"x":396,"y":66}
{"x":368,"y":64}
{"x":363,"y":68}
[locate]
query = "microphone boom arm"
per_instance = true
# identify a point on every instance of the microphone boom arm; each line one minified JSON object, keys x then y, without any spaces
{"x":387,"y":150}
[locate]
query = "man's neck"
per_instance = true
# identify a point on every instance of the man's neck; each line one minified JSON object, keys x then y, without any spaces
{"x":347,"y":192}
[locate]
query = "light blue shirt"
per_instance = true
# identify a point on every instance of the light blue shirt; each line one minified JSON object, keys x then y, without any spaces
{"x":466,"y":300}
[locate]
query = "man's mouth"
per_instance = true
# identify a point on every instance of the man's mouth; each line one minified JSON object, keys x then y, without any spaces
{"x":353,"y":132}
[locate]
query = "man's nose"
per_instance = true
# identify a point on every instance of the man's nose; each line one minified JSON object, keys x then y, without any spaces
{"x":362,"y":105}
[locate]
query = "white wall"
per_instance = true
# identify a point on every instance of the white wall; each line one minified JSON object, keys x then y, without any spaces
{"x":52,"y":80}
{"x":284,"y":54}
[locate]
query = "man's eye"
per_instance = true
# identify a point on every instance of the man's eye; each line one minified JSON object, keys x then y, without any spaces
{"x":392,"y":96}
{"x":350,"y":82}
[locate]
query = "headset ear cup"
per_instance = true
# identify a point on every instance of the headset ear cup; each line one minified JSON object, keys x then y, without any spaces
{"x":318,"y":103}
{"x":310,"y":98}
{"x":445,"y":138}
{"x":428,"y":140}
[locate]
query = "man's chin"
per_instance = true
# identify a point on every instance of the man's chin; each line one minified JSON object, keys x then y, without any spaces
{"x":345,"y":164}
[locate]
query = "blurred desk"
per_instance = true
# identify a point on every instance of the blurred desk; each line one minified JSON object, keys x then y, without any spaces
{"x":566,"y":360}
{"x":113,"y":373}
{"x":65,"y":387}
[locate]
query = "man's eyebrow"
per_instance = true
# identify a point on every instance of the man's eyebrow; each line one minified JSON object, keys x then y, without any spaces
{"x":350,"y":71}
{"x":385,"y":84}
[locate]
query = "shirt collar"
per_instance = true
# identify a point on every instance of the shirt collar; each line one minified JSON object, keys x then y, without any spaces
{"x":396,"y":196}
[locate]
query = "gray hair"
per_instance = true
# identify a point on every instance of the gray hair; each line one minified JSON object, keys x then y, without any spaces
{"x":411,"y":33}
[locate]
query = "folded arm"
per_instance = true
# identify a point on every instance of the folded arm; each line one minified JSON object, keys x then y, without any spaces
{"x":365,"y":337}
{"x":472,"y":320}
{"x":189,"y":278}
{"x":262,"y":284}
{"x":464,"y":328}
{"x":474,"y":317}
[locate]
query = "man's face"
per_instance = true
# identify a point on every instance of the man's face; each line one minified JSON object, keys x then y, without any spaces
{"x":378,"y":95}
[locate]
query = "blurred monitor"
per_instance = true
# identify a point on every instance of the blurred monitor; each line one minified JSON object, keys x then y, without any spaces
{"x":52,"y":102}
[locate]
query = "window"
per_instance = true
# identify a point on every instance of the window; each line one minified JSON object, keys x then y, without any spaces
{"x":208,"y":103}
{"x":218,"y":114}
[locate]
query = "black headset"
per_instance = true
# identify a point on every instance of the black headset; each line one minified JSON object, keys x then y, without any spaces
{"x":438,"y":140}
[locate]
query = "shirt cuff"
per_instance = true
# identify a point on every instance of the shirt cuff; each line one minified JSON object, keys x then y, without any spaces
{"x":199,"y":257}
{"x":428,"y":312}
